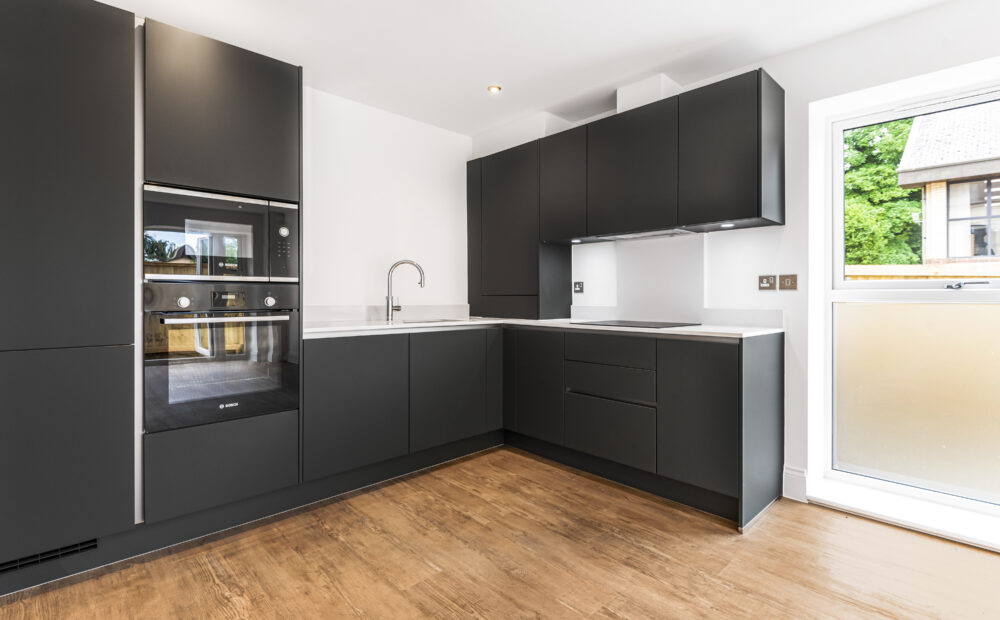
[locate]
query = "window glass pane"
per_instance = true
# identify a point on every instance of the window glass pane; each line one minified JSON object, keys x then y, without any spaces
{"x":967,"y":199}
{"x":917,"y":395}
{"x":967,"y":238}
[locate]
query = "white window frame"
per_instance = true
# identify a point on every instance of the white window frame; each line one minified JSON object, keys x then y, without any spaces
{"x":931,"y":104}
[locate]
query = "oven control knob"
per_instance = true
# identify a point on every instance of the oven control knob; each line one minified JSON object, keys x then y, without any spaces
{"x":284,"y":232}
{"x":183,"y":302}
{"x":270,"y":301}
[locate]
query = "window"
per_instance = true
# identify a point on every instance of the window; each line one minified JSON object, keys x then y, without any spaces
{"x":973,"y":226}
{"x":918,"y":193}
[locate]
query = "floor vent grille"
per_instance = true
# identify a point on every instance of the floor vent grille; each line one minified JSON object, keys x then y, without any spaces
{"x":45,"y":556}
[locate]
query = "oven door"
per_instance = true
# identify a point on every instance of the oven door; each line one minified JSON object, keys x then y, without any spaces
{"x":208,"y":367}
{"x":197,"y":236}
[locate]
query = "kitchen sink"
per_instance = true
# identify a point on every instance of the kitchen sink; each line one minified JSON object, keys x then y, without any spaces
{"x":433,"y":320}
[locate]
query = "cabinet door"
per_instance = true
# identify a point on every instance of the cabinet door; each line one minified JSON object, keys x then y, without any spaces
{"x":447,"y":387}
{"x":66,"y":447}
{"x":616,"y":431}
{"x":632,"y":170}
{"x":540,"y":384}
{"x":474,"y":234}
{"x":698,"y":413}
{"x":562,"y":185}
{"x":218,"y":117}
{"x":355,"y":409}
{"x":720,"y":152}
{"x":67,"y":173}
{"x":510,"y":221}
{"x":200,"y":467}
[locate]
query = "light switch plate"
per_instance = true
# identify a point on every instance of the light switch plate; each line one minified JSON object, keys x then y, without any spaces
{"x":578,"y":287}
{"x":767,"y":283}
{"x":788,"y":282}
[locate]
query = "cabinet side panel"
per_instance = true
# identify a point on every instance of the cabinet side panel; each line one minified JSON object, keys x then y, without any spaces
{"x":772,"y":149}
{"x":762,"y":423}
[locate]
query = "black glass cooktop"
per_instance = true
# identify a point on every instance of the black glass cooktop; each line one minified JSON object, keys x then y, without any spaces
{"x":642,"y":324}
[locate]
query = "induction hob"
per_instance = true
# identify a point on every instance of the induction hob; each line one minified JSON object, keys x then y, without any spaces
{"x":641,"y":324}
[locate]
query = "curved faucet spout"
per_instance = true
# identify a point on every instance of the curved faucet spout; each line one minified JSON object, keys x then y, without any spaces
{"x":391,"y":307}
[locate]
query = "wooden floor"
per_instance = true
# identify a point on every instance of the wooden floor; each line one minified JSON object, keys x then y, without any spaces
{"x":504,"y":534}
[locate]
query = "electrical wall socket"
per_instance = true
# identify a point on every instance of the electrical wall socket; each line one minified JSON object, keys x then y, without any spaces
{"x":767,"y":283}
{"x":578,"y":287}
{"x":788,"y":282}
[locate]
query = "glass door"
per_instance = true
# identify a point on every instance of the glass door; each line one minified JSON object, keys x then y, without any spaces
{"x":207,"y":367}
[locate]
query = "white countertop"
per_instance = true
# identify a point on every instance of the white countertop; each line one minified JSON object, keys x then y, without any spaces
{"x":338,"y":329}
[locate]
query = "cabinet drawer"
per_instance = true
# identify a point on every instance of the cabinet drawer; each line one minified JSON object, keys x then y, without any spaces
{"x":191,"y":469}
{"x":617,"y":382}
{"x":613,"y":350}
{"x":615,"y":431}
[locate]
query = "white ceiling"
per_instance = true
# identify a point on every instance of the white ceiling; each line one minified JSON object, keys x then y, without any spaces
{"x":431,"y":60}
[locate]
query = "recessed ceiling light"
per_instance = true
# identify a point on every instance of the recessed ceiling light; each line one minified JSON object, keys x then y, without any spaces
{"x":726,"y":225}
{"x":494,"y":89}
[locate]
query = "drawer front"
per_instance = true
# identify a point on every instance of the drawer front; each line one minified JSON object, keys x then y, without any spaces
{"x":200,"y":467}
{"x":617,"y":382}
{"x":615,"y":431}
{"x":630,"y":351}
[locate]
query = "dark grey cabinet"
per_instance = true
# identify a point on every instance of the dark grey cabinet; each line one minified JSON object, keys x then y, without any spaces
{"x":720,"y":417}
{"x":731,"y":153}
{"x":66,"y":448}
{"x":220,"y":118}
{"x":539,"y":412}
{"x":632,"y":170}
{"x":201,"y":467}
{"x":511,"y":273}
{"x":621,"y":432}
{"x":699,"y":413}
{"x":67,"y":173}
{"x":562,"y":184}
{"x":356,"y":405}
{"x":510,"y":222}
{"x":447,"y":386}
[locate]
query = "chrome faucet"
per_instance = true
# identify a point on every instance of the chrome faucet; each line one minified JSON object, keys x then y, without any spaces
{"x":390,"y":305}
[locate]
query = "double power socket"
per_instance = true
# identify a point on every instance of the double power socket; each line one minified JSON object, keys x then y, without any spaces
{"x":788,"y":282}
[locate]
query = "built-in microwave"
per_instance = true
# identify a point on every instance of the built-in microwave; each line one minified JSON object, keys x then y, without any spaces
{"x":191,"y":236}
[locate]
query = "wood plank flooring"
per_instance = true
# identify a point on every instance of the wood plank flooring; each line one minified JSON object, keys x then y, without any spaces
{"x":504,"y":534}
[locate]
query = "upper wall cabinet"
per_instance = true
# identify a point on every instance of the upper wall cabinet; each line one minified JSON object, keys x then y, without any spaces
{"x":220,"y":118}
{"x":632,"y":170}
{"x":67,"y":170}
{"x":562,"y":185}
{"x":510,"y":221}
{"x":732,"y":154}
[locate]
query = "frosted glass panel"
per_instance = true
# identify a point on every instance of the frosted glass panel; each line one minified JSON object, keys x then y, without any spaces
{"x":917,"y":395}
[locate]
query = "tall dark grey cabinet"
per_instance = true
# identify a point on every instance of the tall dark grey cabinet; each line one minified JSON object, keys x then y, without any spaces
{"x":66,"y":355}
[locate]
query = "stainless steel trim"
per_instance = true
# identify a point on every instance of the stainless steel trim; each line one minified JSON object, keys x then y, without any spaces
{"x":283,"y":205}
{"x":182,"y":277}
{"x":188,"y":192}
{"x":283,"y":279}
{"x":224,"y":319}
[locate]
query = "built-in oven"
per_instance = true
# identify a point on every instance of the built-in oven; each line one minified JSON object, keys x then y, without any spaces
{"x":218,"y":351}
{"x":198,"y":236}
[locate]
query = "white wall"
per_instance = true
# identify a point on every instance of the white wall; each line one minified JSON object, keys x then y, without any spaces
{"x":926,"y":41}
{"x":379,"y":187}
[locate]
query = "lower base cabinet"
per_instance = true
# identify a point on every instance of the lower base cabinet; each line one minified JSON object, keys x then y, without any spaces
{"x":449,"y":373}
{"x":356,"y":405}
{"x":539,"y":377}
{"x":613,"y":430}
{"x":191,"y":469}
{"x":66,"y":447}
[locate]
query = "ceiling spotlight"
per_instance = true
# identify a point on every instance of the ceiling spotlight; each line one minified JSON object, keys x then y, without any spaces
{"x":493,"y":89}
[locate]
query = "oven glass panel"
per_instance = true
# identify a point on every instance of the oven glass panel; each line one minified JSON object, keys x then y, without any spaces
{"x":207,"y":367}
{"x":189,"y":236}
